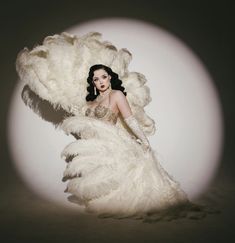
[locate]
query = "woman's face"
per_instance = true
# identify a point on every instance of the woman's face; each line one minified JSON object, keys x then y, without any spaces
{"x":101,"y":79}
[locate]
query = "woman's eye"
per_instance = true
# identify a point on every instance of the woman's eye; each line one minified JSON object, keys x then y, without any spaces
{"x":96,"y":79}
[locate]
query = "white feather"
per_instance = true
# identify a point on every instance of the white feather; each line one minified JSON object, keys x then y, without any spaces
{"x":57,"y":71}
{"x":108,"y":170}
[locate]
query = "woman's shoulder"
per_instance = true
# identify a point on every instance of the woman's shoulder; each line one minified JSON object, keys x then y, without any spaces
{"x":117,"y":93}
{"x":91,"y":104}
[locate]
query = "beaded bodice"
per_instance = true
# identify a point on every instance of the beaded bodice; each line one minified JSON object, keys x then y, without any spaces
{"x":103,"y":113}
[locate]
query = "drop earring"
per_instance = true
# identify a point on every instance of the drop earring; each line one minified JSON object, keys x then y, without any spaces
{"x":95,"y":90}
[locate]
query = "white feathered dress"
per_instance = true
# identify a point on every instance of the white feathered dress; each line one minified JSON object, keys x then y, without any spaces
{"x":107,"y":170}
{"x":111,"y":175}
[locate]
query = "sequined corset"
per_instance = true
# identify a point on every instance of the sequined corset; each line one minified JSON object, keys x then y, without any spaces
{"x":103,"y":113}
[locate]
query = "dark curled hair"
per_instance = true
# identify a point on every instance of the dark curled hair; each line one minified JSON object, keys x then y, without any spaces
{"x":116,"y":83}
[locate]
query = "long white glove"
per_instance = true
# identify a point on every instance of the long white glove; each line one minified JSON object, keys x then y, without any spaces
{"x":133,"y":124}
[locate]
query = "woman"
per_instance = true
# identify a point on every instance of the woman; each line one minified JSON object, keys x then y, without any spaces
{"x":108,"y":99}
{"x":111,"y":169}
{"x":140,"y":188}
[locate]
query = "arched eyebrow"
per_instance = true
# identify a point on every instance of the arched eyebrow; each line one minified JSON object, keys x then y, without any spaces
{"x":101,"y":76}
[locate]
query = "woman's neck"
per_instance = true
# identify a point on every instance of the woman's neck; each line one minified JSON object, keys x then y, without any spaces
{"x":103,"y":94}
{"x":107,"y":91}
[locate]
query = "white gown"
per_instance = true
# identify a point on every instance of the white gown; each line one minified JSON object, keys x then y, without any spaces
{"x":108,"y":172}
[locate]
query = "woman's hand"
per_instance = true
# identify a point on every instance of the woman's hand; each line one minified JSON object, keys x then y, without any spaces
{"x":146,"y":148}
{"x":145,"y":145}
{"x":134,"y":126}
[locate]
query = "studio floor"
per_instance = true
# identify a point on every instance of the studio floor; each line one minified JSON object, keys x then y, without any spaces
{"x":27,"y":218}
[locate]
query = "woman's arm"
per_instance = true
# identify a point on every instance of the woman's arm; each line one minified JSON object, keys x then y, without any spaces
{"x":130,"y":120}
{"x":123,"y":104}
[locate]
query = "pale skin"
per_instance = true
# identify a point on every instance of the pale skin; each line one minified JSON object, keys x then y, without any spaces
{"x":118,"y":101}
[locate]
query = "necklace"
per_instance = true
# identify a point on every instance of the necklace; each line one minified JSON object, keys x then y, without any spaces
{"x":100,"y":97}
